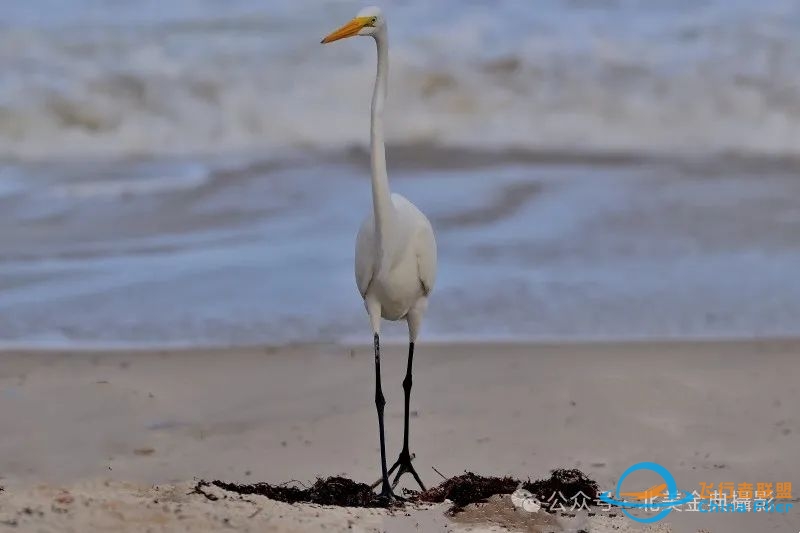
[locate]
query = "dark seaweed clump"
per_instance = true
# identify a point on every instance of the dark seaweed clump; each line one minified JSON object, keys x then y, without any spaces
{"x":335,"y":490}
{"x":469,"y":488}
{"x":569,"y":483}
{"x":461,"y":490}
{"x":563,"y":484}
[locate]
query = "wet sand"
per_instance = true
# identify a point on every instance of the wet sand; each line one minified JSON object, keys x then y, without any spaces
{"x":106,"y":426}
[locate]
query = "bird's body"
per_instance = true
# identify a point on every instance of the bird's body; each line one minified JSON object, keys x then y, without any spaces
{"x":395,"y":262}
{"x":401,"y":278}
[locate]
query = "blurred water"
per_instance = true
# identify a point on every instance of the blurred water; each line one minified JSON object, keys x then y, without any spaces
{"x":187,"y":173}
{"x":262,"y":252}
{"x":123,"y":77}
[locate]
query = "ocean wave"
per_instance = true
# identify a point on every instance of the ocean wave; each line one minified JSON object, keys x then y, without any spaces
{"x":713,"y":80}
{"x":136,"y":180}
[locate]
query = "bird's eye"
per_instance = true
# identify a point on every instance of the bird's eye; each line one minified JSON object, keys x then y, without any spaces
{"x":374,"y":20}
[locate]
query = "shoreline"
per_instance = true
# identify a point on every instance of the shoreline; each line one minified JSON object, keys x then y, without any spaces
{"x":740,"y":342}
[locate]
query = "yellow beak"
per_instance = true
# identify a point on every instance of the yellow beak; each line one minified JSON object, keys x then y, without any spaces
{"x":348,"y":30}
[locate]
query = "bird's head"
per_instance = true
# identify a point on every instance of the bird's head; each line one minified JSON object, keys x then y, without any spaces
{"x":368,"y":22}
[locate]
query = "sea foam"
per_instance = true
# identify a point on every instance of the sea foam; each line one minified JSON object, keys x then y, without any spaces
{"x":629,"y":76}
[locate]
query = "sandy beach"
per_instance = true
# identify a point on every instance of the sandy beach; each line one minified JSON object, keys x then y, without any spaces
{"x":115,"y":440}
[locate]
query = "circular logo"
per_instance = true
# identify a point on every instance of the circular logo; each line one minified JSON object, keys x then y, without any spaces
{"x":666,"y":506}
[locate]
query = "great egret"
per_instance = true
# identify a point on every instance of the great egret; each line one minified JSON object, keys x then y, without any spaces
{"x":395,"y":249}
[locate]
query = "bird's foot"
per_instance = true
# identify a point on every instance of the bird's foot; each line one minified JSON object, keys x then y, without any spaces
{"x":387,"y":497}
{"x":403,"y":466}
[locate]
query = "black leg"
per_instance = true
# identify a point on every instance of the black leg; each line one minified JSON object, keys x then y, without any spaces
{"x":404,"y":461}
{"x":380,"y":402}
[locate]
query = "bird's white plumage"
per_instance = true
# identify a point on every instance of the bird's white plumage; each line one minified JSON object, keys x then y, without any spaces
{"x":399,"y":288}
{"x":410,"y":252}
{"x":395,"y":262}
{"x":426,"y":257}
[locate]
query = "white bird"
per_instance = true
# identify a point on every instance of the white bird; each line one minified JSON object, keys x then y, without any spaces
{"x":395,"y":259}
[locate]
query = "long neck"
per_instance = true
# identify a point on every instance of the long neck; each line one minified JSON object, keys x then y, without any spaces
{"x":381,"y":200}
